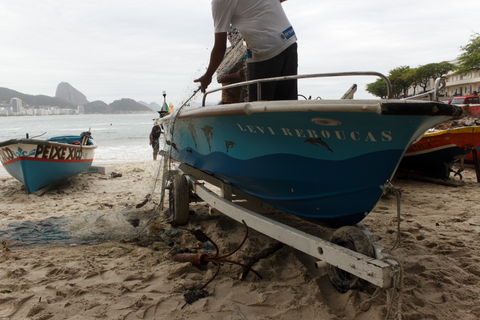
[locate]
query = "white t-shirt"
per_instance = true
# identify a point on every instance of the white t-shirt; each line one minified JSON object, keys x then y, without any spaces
{"x":262,"y":23}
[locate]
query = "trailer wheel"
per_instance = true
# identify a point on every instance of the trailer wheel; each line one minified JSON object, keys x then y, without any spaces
{"x":354,"y":239}
{"x":179,"y":199}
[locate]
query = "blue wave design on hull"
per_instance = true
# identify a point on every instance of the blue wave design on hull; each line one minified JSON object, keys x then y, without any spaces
{"x":334,"y":193}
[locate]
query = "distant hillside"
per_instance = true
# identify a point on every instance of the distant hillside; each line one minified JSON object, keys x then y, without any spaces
{"x":66,"y":92}
{"x":118,"y":106}
{"x":95,"y":107}
{"x":126,"y":106}
{"x":154,"y":106}
{"x":34,"y":101}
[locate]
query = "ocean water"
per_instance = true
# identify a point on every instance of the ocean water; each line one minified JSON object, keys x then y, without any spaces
{"x":120,"y":137}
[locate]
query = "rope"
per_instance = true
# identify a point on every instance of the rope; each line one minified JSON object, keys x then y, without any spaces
{"x":389,"y":188}
{"x":172,"y":121}
{"x":398,"y":195}
{"x":397,"y":275}
{"x":398,"y":285}
{"x":396,"y":290}
{"x":374,"y":295}
{"x":165,"y":171}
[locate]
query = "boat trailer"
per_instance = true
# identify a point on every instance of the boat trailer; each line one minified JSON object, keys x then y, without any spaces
{"x":379,"y":270}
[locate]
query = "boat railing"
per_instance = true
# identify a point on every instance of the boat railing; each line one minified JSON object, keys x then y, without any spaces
{"x":304,"y":76}
{"x":432,"y":94}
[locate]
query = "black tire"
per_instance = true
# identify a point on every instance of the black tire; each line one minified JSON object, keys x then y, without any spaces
{"x":179,"y":200}
{"x":354,"y":239}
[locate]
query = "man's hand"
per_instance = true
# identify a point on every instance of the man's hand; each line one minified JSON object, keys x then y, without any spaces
{"x":205,"y":80}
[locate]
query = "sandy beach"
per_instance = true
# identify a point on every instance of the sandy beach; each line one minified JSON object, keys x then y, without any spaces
{"x":109,"y":260}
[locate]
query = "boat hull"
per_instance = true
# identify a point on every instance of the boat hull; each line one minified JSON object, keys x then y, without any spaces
{"x":434,"y":155}
{"x":469,"y":157}
{"x":38,"y":163}
{"x":323,"y":165}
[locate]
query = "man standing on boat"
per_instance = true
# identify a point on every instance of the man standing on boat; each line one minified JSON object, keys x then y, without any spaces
{"x":154,"y":139}
{"x":271,"y":43}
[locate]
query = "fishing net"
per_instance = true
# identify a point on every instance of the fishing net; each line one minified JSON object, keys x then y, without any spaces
{"x":234,"y":60}
{"x":235,"y":55}
{"x":121,"y":215}
{"x":133,"y":221}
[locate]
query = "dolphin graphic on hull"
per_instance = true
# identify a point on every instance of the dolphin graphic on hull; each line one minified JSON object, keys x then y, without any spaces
{"x":317,"y":142}
{"x":208,"y":131}
{"x":191,"y":128}
{"x":230,"y":144}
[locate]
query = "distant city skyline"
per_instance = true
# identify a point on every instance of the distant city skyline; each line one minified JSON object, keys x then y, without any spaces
{"x":17,"y":108}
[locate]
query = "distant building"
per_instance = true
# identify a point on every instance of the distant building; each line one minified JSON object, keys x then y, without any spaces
{"x":455,"y":85}
{"x":80,"y":109}
{"x":459,"y":85}
{"x":17,"y":107}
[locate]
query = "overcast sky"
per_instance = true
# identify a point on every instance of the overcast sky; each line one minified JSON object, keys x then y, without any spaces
{"x":113,"y":49}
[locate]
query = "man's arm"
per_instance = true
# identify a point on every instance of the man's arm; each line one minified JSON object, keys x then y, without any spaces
{"x":216,"y":58}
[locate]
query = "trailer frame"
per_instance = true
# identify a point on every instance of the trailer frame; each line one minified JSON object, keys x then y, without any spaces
{"x":378,"y":271}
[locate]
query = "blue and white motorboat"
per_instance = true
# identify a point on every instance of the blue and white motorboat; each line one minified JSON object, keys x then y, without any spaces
{"x":326,"y":161}
{"x":38,"y":163}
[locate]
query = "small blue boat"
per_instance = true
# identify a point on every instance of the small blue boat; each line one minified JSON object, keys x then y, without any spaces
{"x":37,"y":163}
{"x":326,"y":161}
